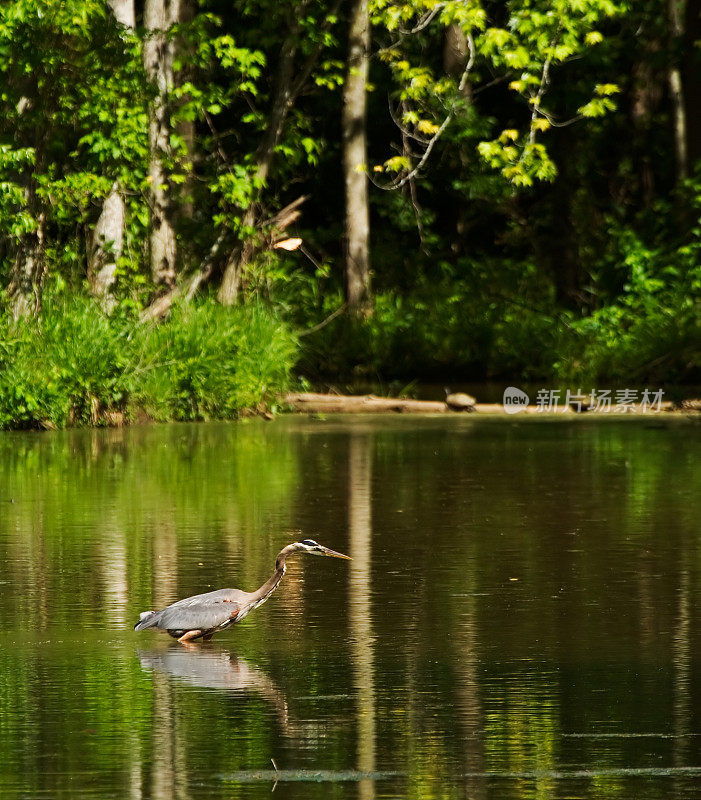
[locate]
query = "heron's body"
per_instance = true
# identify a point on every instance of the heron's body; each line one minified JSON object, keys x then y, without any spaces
{"x":202,"y":615}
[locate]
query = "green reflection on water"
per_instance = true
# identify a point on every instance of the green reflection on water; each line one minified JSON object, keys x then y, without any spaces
{"x":518,"y":620}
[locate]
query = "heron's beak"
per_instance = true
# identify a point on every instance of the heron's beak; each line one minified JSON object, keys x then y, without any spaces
{"x":326,"y":552}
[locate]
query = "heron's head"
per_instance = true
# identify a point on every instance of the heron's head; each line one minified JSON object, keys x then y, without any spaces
{"x":316,"y":549}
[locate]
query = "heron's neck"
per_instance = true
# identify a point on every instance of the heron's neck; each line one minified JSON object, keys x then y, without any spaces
{"x":262,"y":594}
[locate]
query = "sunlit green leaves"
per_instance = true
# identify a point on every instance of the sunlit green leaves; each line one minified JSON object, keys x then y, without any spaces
{"x":534,"y":39}
{"x":234,"y":188}
{"x":520,"y":162}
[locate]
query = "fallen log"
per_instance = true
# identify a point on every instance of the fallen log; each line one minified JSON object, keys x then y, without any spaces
{"x":316,"y":403}
{"x":313,"y":403}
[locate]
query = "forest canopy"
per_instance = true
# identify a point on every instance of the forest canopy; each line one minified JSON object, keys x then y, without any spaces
{"x":382,"y":188}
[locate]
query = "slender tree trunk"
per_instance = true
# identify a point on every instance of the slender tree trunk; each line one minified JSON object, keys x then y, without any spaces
{"x":236,"y":265}
{"x":186,"y":128}
{"x":28,"y":270}
{"x":455,"y":55}
{"x":106,"y":250}
{"x":28,"y":273}
{"x":691,"y":79}
{"x":647,"y":89}
{"x":159,"y":15}
{"x":357,"y":274}
{"x":674,"y":77}
{"x":106,"y":245}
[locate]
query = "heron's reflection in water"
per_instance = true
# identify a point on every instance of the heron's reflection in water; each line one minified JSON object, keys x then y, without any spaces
{"x":217,"y":668}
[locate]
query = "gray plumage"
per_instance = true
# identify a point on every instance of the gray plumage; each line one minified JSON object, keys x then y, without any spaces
{"x":206,"y":612}
{"x":202,"y":615}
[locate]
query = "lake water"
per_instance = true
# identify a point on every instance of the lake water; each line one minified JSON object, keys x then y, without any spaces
{"x":520,"y":619}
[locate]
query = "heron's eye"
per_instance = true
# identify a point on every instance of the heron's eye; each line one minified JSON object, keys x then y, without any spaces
{"x":309,"y":542}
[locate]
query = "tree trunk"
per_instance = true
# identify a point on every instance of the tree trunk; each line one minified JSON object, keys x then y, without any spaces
{"x":235,"y":266}
{"x":159,"y":15}
{"x":674,"y":77}
{"x":691,"y":78}
{"x":455,"y":55}
{"x":108,"y":236}
{"x":123,"y":11}
{"x":357,"y":274}
{"x":647,"y":89}
{"x":186,"y":128}
{"x":28,"y":273}
{"x":106,"y":250}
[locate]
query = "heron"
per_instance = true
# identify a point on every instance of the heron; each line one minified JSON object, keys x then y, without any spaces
{"x":203,"y":615}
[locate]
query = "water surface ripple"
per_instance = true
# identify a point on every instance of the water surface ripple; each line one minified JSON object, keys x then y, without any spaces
{"x":519,"y":621}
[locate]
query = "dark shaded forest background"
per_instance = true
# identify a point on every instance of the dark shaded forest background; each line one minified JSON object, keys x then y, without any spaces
{"x":185,"y":222}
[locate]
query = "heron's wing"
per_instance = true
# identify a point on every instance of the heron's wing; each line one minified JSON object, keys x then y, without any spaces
{"x":202,"y":612}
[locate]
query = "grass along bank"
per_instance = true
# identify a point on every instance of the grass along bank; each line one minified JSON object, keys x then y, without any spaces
{"x":75,"y":366}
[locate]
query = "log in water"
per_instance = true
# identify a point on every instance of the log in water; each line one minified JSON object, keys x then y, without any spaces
{"x":318,"y":403}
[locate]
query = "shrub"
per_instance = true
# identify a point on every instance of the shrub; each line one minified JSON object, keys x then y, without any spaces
{"x":76,"y":366}
{"x":211,"y":362}
{"x":69,"y":366}
{"x":652,"y":332}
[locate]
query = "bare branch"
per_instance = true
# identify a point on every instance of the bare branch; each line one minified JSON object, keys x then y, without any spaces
{"x":404,"y":131}
{"x":162,"y":305}
{"x":324,"y":322}
{"x":544,"y":78}
{"x":412,"y":191}
{"x":215,"y":136}
{"x":437,"y":135}
{"x":555,"y":123}
{"x":287,"y":215}
{"x":544,"y":81}
{"x":425,"y":20}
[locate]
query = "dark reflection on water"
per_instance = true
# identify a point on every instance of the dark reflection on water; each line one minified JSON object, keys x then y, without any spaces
{"x":520,"y":618}
{"x":210,"y":667}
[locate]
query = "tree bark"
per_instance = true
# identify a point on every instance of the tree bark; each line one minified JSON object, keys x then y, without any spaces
{"x":123,"y":11}
{"x":674,"y":78}
{"x":28,"y":273}
{"x":455,"y":55}
{"x":357,"y":267}
{"x":106,"y":250}
{"x":159,"y":15}
{"x":691,"y":79}
{"x":108,"y":236}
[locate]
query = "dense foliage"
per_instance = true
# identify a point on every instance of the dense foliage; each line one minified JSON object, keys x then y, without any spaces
{"x":74,"y":365}
{"x":534,"y":209}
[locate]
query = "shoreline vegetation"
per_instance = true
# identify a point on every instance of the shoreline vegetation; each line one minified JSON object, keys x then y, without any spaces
{"x":207,"y":205}
{"x":74,"y":366}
